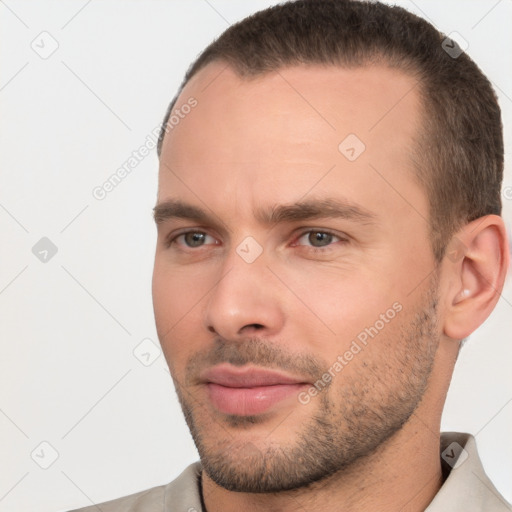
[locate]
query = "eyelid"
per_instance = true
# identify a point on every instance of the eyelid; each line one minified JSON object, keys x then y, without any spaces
{"x":341,"y":237}
{"x":171,"y":238}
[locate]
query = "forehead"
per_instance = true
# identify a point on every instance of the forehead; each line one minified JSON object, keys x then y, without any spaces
{"x":284,"y":130}
{"x":367,"y":100}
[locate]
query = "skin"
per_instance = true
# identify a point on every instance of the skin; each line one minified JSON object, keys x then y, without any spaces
{"x":256,"y":144}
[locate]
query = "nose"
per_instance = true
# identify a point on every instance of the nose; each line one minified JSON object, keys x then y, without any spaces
{"x":245,"y":301}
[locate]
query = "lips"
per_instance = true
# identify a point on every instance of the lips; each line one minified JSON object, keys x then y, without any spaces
{"x":248,"y":390}
{"x":246,"y":377}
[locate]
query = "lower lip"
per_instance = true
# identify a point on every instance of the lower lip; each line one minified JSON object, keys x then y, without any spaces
{"x":250,"y":401}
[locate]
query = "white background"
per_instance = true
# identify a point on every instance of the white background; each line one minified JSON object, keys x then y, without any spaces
{"x":68,"y":327}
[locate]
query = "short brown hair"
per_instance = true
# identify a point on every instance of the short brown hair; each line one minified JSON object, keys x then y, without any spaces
{"x":458,"y":157}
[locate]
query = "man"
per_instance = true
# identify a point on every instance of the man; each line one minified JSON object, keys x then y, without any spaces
{"x":329,"y":232}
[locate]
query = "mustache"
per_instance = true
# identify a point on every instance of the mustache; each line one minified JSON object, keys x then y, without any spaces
{"x":257,"y":352}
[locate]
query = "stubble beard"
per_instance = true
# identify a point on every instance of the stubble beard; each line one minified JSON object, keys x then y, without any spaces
{"x":350,"y":422}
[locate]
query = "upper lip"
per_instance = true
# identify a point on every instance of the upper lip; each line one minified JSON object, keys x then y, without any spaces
{"x":246,"y":377}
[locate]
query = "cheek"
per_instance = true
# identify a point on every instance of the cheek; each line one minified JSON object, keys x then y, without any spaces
{"x":339,"y":302}
{"x":176,"y":291}
{"x":177,"y":297}
{"x":355,"y":315}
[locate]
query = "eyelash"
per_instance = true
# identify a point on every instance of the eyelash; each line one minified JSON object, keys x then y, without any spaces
{"x":172,"y":240}
{"x":323,"y":249}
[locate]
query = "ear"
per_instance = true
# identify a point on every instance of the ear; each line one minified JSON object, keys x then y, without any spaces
{"x":476,"y":263}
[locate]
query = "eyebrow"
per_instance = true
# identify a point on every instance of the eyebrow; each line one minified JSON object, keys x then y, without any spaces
{"x":300,"y":211}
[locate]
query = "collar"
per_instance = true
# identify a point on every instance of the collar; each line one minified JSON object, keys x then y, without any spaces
{"x":466,"y":486}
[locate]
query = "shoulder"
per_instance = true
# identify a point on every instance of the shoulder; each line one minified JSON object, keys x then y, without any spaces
{"x":181,"y":495}
{"x":150,"y":500}
{"x":466,"y":486}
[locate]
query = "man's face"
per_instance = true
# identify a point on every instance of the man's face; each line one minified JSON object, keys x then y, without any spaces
{"x":294,"y":291}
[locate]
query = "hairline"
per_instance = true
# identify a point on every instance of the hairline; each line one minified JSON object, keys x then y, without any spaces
{"x":405,"y":66}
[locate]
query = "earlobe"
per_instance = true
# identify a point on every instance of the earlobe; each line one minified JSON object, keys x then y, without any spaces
{"x":477,"y":275}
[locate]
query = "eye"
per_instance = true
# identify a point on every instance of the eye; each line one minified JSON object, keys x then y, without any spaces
{"x":317,"y":238}
{"x":193,"y":239}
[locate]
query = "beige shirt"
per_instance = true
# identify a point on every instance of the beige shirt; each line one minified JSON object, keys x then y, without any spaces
{"x":466,"y":487}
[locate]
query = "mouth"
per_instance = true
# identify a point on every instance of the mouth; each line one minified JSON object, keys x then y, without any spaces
{"x":248,"y":391}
